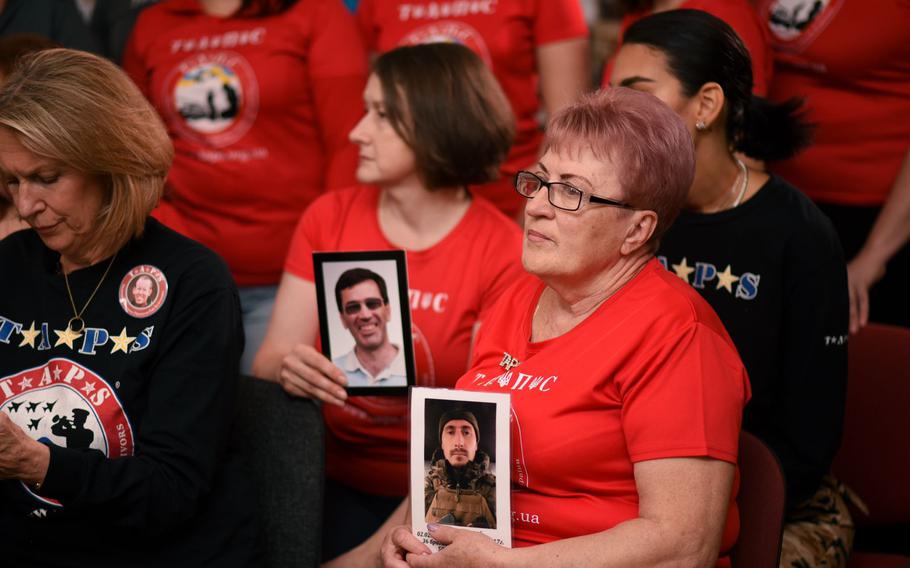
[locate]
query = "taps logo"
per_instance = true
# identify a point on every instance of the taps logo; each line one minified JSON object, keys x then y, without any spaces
{"x":68,"y":405}
{"x":212,"y":98}
{"x":142,"y":291}
{"x":508,"y":362}
{"x":800,"y":20}
{"x":451,"y":32}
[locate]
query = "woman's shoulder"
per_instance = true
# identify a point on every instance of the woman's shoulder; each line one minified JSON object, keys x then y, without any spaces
{"x":18,"y":243}
{"x":352,"y":205}
{"x":778,"y":211}
{"x":516,"y":298}
{"x":662,"y":299}
{"x":356,"y":199}
{"x":170,"y":252}
{"x":790,"y":212}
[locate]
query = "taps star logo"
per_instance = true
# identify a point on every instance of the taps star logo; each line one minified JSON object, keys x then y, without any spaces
{"x":68,"y":405}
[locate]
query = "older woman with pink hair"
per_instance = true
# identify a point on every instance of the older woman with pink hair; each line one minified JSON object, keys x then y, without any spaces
{"x":626,"y":391}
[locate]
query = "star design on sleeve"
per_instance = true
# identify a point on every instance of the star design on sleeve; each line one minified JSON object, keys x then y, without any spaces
{"x":67,"y":337}
{"x":683,"y":270}
{"x":89,"y":388}
{"x":29,"y":335}
{"x":25,"y":383}
{"x":122,"y":342}
{"x":726,"y":279}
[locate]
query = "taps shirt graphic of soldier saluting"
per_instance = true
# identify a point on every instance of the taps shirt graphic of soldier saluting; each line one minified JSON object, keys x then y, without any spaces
{"x":145,"y":386}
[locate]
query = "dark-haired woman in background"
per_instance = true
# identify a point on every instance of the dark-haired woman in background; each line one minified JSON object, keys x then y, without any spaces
{"x":761,"y":253}
{"x":435,"y":122}
{"x":738,"y":14}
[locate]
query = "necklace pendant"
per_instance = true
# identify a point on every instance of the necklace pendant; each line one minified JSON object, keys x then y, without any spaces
{"x":77,"y":320}
{"x":72,"y":324}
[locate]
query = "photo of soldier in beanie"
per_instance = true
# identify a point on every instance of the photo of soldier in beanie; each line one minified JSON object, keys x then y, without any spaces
{"x":460,"y":486}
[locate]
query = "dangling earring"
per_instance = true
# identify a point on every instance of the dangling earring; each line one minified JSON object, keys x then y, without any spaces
{"x":701,"y":126}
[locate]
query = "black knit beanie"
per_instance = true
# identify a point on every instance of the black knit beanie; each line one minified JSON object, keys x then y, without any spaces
{"x":459,"y":414}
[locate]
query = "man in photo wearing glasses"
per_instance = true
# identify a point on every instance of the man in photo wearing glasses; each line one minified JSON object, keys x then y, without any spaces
{"x":363,"y":305}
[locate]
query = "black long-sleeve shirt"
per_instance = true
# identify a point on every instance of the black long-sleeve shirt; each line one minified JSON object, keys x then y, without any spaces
{"x":774,"y":272}
{"x":136,"y":410}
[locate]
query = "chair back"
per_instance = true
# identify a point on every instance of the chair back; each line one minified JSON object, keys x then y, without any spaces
{"x":282,"y":440}
{"x":761,"y":505}
{"x":874,"y":457}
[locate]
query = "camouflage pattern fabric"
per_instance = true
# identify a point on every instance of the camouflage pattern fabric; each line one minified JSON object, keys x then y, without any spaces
{"x":462,"y":508}
{"x":464,"y":497}
{"x":819,"y":532}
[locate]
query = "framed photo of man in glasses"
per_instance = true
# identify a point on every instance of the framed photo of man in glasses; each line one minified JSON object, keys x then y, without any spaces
{"x":365,"y":320}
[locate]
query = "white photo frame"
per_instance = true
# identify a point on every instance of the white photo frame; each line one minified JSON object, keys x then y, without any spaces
{"x":491,"y":412}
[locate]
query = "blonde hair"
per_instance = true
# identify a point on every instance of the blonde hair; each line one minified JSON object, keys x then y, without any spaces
{"x":83,"y":111}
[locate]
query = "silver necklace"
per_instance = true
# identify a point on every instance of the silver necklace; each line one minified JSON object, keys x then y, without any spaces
{"x":744,"y":173}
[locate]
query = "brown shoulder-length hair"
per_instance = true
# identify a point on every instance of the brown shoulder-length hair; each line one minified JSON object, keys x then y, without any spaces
{"x":449,"y":109}
{"x":84,"y":112}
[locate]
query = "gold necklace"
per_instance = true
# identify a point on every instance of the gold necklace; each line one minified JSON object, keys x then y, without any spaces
{"x":77,"y":314}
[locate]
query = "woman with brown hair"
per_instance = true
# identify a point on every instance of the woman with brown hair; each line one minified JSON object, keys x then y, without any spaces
{"x":115,"y":413}
{"x":435,"y":121}
{"x":538,"y":52}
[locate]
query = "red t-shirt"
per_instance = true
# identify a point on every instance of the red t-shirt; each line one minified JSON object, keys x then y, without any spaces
{"x":739,"y":15}
{"x":451,"y":286}
{"x":506,"y":36}
{"x":259,"y":110}
{"x":851,"y":62}
{"x":650,"y":374}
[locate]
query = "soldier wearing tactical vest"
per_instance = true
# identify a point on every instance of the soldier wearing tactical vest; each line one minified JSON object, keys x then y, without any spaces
{"x":460,"y":488}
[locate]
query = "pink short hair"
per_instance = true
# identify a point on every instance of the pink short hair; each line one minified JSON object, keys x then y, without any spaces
{"x":642,"y":138}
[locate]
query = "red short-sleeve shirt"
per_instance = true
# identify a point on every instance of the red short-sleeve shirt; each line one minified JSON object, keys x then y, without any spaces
{"x":451,"y":287}
{"x":651,"y":374}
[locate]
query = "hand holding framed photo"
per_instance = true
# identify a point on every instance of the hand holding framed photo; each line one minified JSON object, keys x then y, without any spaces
{"x":364,"y":319}
{"x":459,"y":449}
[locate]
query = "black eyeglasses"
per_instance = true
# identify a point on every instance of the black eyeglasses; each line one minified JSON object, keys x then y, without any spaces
{"x":560,"y":195}
{"x":352,"y":307}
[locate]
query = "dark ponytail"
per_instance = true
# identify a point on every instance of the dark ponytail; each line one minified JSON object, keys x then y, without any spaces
{"x":701,"y":48}
{"x":773,"y":131}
